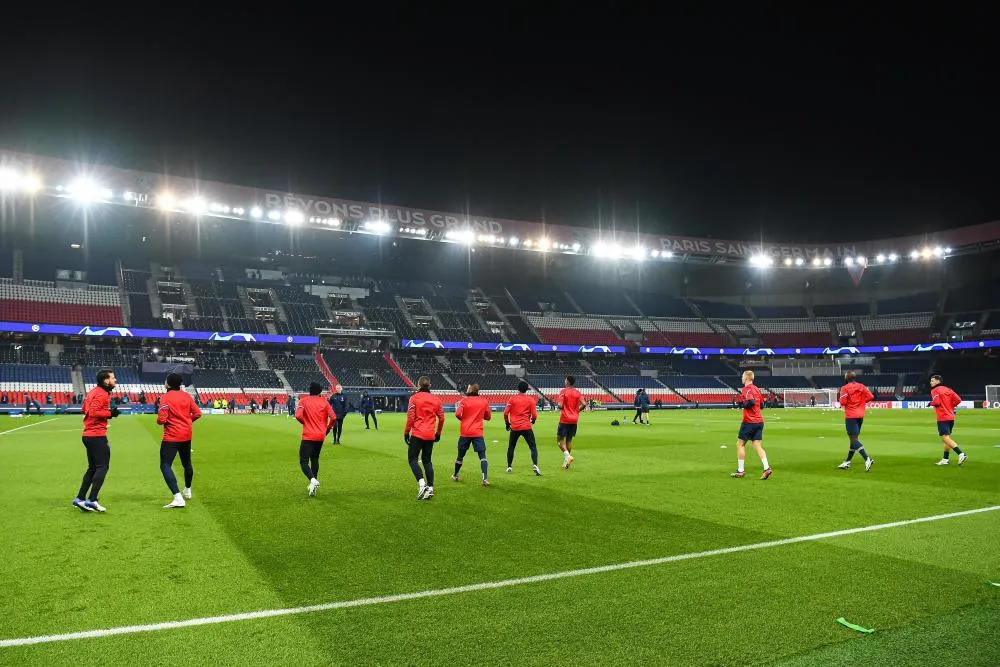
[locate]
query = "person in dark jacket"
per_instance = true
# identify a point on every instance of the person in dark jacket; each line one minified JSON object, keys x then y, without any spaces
{"x":339,"y":404}
{"x":641,"y":407}
{"x":368,"y":409}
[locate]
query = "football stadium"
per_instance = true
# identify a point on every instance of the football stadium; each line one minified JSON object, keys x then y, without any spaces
{"x":640,"y":535}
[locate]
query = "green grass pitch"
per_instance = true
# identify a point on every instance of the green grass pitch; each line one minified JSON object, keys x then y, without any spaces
{"x":252,"y":540}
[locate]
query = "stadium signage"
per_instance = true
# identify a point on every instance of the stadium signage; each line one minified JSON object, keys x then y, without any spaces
{"x":394,"y":215}
{"x":159,"y":334}
{"x":690,"y":351}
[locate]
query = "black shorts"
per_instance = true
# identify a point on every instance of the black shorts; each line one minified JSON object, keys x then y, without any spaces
{"x":946,"y":427}
{"x":751,"y":432}
{"x":853,"y":425}
{"x":566,"y":431}
{"x":478,"y":443}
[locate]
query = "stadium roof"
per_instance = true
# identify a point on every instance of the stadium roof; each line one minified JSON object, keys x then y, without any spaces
{"x":45,"y":176}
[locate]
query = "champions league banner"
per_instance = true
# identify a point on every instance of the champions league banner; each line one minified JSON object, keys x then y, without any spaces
{"x":159,"y":334}
{"x":696,"y":351}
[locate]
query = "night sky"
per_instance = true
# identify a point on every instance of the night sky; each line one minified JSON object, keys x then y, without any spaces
{"x":841,"y":125}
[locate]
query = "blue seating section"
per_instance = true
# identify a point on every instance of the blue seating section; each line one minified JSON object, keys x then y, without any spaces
{"x":723,"y":310}
{"x":842,"y":310}
{"x":780,"y":312}
{"x":28,"y":373}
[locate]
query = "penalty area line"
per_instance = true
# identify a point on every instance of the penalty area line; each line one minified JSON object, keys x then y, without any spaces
{"x":471,"y":588}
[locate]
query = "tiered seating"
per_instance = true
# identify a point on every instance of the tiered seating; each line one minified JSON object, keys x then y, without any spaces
{"x":614,"y":366}
{"x":41,"y":302}
{"x":561,"y":368}
{"x":19,"y":380}
{"x":700,"y":389}
{"x":142,"y":313}
{"x":908,"y":304}
{"x":687,"y":333}
{"x":602,"y":302}
{"x":625,"y":387}
{"x":23,"y":353}
{"x":392,"y":318}
{"x":245,"y":325}
{"x":778,"y":383}
{"x":918,"y":365}
{"x":698,"y":366}
{"x":257,"y":380}
{"x":204,"y":324}
{"x":846,"y":329}
{"x":716,"y":309}
{"x":915,"y":383}
{"x":522,"y":333}
{"x":794,"y":333}
{"x":135,"y":282}
{"x":574,"y":330}
{"x":458,"y":320}
{"x":101,"y":356}
{"x":883,"y":385}
{"x":897,"y":329}
{"x":361,"y":369}
{"x":503,"y":302}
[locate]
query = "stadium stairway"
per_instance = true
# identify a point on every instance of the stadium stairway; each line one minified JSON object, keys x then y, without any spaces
{"x":325,"y":370}
{"x":399,"y":371}
{"x":606,"y":388}
{"x":284,"y":382}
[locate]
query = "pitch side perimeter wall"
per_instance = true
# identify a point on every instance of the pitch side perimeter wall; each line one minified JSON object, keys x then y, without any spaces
{"x":239,"y":202}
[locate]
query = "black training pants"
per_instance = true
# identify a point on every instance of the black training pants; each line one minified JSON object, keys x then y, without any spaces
{"x":422,"y":449}
{"x":168,"y":450}
{"x":309,"y":457}
{"x":98,"y":462}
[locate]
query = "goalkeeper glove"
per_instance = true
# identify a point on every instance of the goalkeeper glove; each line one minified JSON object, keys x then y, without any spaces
{"x":406,"y":438}
{"x":114,"y":412}
{"x":507,"y":425}
{"x":437,"y":437}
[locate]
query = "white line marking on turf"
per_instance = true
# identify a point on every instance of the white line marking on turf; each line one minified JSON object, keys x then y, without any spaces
{"x":505,"y":583}
{"x":45,"y":421}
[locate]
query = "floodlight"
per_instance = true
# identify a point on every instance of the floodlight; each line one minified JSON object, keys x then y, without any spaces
{"x":274,"y":215}
{"x":294,"y":217}
{"x":817,"y":261}
{"x":9,"y":179}
{"x":827,"y":261}
{"x":848,"y":261}
{"x":880,"y":258}
{"x":788,"y":261}
{"x":256,"y":212}
{"x":799,"y":261}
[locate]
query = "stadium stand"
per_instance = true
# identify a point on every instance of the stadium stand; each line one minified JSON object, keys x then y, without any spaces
{"x":699,"y":389}
{"x":794,"y":333}
{"x":602,"y":303}
{"x":42,"y":302}
{"x":362,"y":369}
{"x":780,"y":312}
{"x":20,"y":380}
{"x":658,"y":305}
{"x":715,"y":309}
{"x":908,"y":304}
{"x":686,"y":333}
{"x":896,"y":329}
{"x":574,"y":330}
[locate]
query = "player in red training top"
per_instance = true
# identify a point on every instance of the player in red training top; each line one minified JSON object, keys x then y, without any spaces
{"x":317,"y":419}
{"x":424,"y":422}
{"x":944,"y":401}
{"x":752,"y":428}
{"x":97,"y":410}
{"x":471,"y":411}
{"x":519,"y":416}
{"x":854,"y":396}
{"x":176,"y":413}
{"x":570,"y":402}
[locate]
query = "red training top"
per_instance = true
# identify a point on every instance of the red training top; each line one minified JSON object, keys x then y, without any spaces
{"x":96,"y":412}
{"x":316,"y":417}
{"x":177,"y":412}
{"x":422,"y":411}
{"x":520,"y":411}
{"x":944,"y":401}
{"x":570,"y":398}
{"x":471,"y":411}
{"x":752,"y":414}
{"x":853,"y":397}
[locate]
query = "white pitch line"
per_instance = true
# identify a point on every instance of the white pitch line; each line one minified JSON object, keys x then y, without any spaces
{"x":470,"y":588}
{"x":28,"y":426}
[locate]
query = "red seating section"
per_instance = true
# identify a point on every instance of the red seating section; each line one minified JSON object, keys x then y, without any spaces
{"x":38,"y":312}
{"x":16,"y":398}
{"x":896,"y":337}
{"x":578,"y":336}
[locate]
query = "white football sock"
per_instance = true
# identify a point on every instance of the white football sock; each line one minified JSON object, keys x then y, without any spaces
{"x":739,"y":465}
{"x":764,"y":461}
